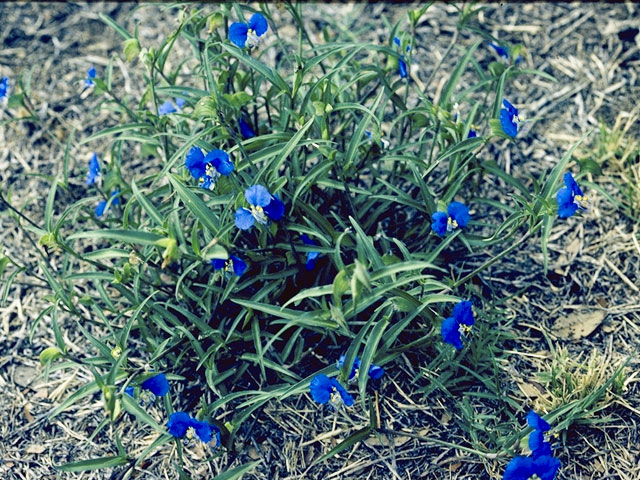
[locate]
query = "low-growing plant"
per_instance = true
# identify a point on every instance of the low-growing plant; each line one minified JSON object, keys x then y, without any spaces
{"x":292,"y":202}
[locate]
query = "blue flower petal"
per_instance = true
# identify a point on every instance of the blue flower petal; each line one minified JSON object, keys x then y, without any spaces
{"x":94,"y":169}
{"x":500,"y":50}
{"x":463,"y":313}
{"x":396,"y":40}
{"x":203,"y":430}
{"x":195,"y":163}
{"x":320,"y":388}
{"x":158,"y":385}
{"x":347,"y":399}
{"x":243,"y":219}
{"x":258,"y":24}
{"x":220,"y":161}
{"x":510,"y":108}
{"x":354,"y":367}
{"x":99,"y":210}
{"x":239,"y":266}
{"x":166,"y":108}
{"x":4,"y":87}
{"x":566,"y":206}
{"x":180,"y":102}
{"x":258,"y":196}
{"x":178,"y":424}
{"x":571,"y":184}
{"x":472,"y":134}
{"x":459,"y":212}
{"x":245,"y":129}
{"x":508,"y":125}
{"x":129,"y":391}
{"x":546,"y":467}
{"x":536,"y":422}
{"x":402,"y":68}
{"x":275,"y":209}
{"x":238,"y":33}
{"x":519,"y":468}
{"x":439,"y":223}
{"x":218,"y":263}
{"x":376,"y":372}
{"x":451,"y":333}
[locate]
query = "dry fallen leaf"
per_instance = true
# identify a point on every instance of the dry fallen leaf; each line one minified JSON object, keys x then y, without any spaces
{"x":578,"y":325}
{"x":384,"y":440}
{"x":36,"y":449}
{"x":529,"y":390}
{"x":27,"y":413}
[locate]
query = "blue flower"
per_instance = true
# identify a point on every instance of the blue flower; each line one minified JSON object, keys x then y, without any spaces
{"x":536,"y":422}
{"x":4,"y":87}
{"x":91,"y":74}
{"x":158,"y":385}
{"x":207,"y":169}
{"x":242,"y":34}
{"x":570,"y":197}
{"x":537,"y":443}
{"x":458,"y":324}
{"x":402,"y":65}
{"x":233,"y":264}
{"x":129,"y":391}
{"x":503,"y":52}
{"x":375,"y":372}
{"x":182,"y":424}
{"x":245,"y":129}
{"x":472,"y":134}
{"x":263,"y":206}
{"x":311,"y":256}
{"x":457,"y":216}
{"x":94,"y":169}
{"x":180,"y":102}
{"x":509,"y":118}
{"x":544,"y":467}
{"x":102,"y":205}
{"x":178,"y":424}
{"x":324,"y":389}
{"x":166,"y":108}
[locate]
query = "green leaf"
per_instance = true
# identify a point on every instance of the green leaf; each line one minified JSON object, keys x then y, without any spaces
{"x":127,"y":236}
{"x":237,"y":472}
{"x":131,"y":406}
{"x":49,"y":354}
{"x":196,"y":205}
{"x":93,"y":464}
{"x":346,"y":443}
{"x":455,"y":76}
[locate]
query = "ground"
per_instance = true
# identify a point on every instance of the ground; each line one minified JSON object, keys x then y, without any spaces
{"x":593,"y":278}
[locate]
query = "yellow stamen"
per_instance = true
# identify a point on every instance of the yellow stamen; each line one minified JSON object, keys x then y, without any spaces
{"x":116,"y":352}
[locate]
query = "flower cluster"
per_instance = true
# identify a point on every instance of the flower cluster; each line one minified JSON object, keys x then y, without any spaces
{"x":509,"y":118}
{"x":168,"y":107}
{"x":243,"y":34}
{"x":181,"y":425}
{"x":102,"y":205}
{"x":458,"y":324}
{"x":158,"y":385}
{"x":324,"y":389}
{"x":457,"y":216}
{"x":232,"y":264}
{"x":540,"y":464}
{"x":570,"y":198}
{"x":375,"y":372}
{"x":262,"y":207}
{"x":207,"y":168}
